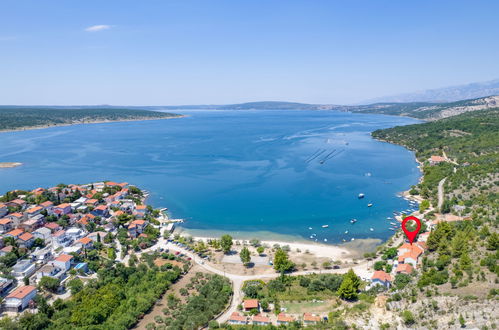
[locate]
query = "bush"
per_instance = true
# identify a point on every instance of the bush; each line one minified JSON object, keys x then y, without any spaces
{"x":407,"y":318}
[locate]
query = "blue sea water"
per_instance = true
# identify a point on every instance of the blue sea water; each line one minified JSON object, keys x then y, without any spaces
{"x":235,"y":171}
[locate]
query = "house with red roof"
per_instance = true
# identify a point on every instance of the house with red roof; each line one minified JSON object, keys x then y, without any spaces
{"x":382,"y":278}
{"x":25,"y":240}
{"x":404,"y":269}
{"x":309,"y":318}
{"x":6,"y":225}
{"x":100,"y":211}
{"x":85,"y":243}
{"x":409,"y":253}
{"x":284,"y":319}
{"x":53,"y":226}
{"x":250,"y":304}
{"x":435,"y":160}
{"x":140,"y":211}
{"x":3,"y":209}
{"x":236,"y":318}
{"x":32,"y":211}
{"x":62,"y":209}
{"x":261,"y":319}
{"x":15,"y":233}
{"x":48,"y":205}
{"x":16,"y":217}
{"x":136,"y":227}
{"x":17,"y":203}
{"x":19,"y":299}
{"x":63,"y":261}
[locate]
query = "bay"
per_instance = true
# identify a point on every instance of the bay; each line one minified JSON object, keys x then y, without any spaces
{"x":251,"y":173}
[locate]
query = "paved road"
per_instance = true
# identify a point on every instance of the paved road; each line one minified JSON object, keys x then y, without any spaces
{"x":441,"y":194}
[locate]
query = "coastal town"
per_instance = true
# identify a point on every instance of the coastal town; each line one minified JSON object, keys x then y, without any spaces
{"x":52,"y":239}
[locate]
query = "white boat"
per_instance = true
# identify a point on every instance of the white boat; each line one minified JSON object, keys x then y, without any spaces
{"x":346,"y":231}
{"x":344,"y":240}
{"x":353,"y":221}
{"x":392,"y":228}
{"x":325,"y":226}
{"x":370,"y":204}
{"x":371,"y":229}
{"x":310,"y":228}
{"x":353,"y":239}
{"x":361,"y":195}
{"x":325,"y":239}
{"x":312,"y":236}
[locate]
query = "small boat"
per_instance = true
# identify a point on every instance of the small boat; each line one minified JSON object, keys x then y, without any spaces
{"x":371,"y":229}
{"x":346,"y":231}
{"x":325,"y":226}
{"x":310,"y":228}
{"x":325,"y":239}
{"x":370,"y":204}
{"x":353,"y":221}
{"x":312,"y":236}
{"x":344,"y":240}
{"x":353,"y":239}
{"x":392,"y":228}
{"x":361,"y":195}
{"x":389,"y":218}
{"x":393,"y":223}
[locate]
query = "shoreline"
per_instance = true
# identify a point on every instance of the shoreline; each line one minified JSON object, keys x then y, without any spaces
{"x":29,"y":128}
{"x":349,"y":250}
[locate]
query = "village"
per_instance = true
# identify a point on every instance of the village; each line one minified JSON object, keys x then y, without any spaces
{"x":52,"y":234}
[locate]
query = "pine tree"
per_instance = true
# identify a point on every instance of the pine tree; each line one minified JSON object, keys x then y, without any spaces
{"x":245,"y":256}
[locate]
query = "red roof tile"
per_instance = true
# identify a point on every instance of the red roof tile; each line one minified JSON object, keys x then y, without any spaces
{"x":382,"y":276}
{"x":21,"y":292}
{"x":250,"y":303}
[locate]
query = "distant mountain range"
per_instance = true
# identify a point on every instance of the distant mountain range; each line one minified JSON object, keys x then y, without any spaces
{"x":446,"y":94}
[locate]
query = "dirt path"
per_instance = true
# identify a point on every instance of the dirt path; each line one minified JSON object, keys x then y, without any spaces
{"x":441,"y":194}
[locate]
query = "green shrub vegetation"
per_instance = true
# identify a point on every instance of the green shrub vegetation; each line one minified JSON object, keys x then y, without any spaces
{"x":23,"y":117}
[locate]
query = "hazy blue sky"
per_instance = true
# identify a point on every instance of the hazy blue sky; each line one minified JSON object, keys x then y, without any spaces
{"x":189,"y":52}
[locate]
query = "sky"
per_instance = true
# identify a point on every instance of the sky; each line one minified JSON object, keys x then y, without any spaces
{"x":162,"y":52}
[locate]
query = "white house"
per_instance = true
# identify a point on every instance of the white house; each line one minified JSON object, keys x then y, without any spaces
{"x":23,"y":268}
{"x":63,"y":261}
{"x":382,"y":278}
{"x":19,"y":299}
{"x":43,"y":233}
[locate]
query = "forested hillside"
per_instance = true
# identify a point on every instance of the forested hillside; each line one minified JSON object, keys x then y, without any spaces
{"x":12,"y":118}
{"x":471,"y":142}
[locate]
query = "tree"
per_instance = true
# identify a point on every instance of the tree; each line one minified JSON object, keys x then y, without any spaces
{"x":326,"y":264}
{"x":245,"y":256}
{"x":260,"y":249}
{"x":226,"y":243}
{"x":349,"y":287}
{"x":401,"y":281}
{"x":75,"y":285}
{"x":282,"y":262}
{"x":111,"y":254}
{"x":424,"y":206}
{"x":378,"y":265}
{"x":49,"y":283}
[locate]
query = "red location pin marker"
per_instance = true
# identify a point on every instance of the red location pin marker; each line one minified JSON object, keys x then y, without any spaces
{"x":411,"y":235}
